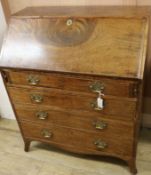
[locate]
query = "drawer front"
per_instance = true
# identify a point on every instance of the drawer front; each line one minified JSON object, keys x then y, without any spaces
{"x":97,"y":143}
{"x":74,"y":120}
{"x":72,"y":101}
{"x":115,"y":87}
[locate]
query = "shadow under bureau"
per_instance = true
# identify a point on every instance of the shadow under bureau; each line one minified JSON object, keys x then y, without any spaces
{"x":75,"y":80}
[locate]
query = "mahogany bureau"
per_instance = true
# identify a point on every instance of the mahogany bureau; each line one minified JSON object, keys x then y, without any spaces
{"x":75,"y":79}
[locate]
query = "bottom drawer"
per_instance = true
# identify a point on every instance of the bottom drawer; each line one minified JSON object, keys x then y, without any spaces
{"x":82,"y":141}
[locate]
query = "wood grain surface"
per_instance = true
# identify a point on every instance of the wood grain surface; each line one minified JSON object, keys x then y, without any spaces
{"x":16,"y":5}
{"x":82,"y":121}
{"x":64,"y":52}
{"x":47,"y":62}
{"x":112,"y":86}
{"x":71,"y":100}
{"x":106,"y":11}
{"x":79,"y":139}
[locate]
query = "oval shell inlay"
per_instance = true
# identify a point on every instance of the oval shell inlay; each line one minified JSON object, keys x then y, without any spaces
{"x":65,"y":32}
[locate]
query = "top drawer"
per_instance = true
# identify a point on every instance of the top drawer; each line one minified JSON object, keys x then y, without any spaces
{"x":109,"y":86}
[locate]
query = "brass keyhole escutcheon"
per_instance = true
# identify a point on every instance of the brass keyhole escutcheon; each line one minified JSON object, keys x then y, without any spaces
{"x":69,"y":22}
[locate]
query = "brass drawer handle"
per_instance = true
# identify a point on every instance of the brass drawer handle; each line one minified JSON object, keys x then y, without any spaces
{"x":95,"y":106}
{"x":33,"y":80}
{"x":100,"y":125}
{"x":42,"y":115}
{"x":69,"y":22}
{"x":36,"y":98}
{"x":100,"y":144}
{"x":97,"y":87}
{"x":46,"y":133}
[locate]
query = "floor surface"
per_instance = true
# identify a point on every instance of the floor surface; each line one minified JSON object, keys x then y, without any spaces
{"x":46,"y":160}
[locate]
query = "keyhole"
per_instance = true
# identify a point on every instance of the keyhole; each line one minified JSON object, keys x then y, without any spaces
{"x":69,"y":22}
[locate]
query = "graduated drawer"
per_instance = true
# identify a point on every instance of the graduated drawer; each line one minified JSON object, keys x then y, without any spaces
{"x":110,"y":86}
{"x":91,"y":142}
{"x":73,"y":101}
{"x":79,"y":121}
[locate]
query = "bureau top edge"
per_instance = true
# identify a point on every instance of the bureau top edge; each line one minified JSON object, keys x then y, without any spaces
{"x":83,"y":11}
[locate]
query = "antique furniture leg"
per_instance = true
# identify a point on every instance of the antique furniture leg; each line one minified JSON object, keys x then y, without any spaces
{"x":27,"y":145}
{"x":132,"y":166}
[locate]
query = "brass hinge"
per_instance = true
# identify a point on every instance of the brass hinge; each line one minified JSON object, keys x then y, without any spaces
{"x":134,"y":90}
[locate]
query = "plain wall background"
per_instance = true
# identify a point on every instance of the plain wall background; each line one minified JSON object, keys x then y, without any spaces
{"x":5,"y":107}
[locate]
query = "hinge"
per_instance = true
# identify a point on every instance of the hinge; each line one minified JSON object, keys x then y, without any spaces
{"x":134,"y":89}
